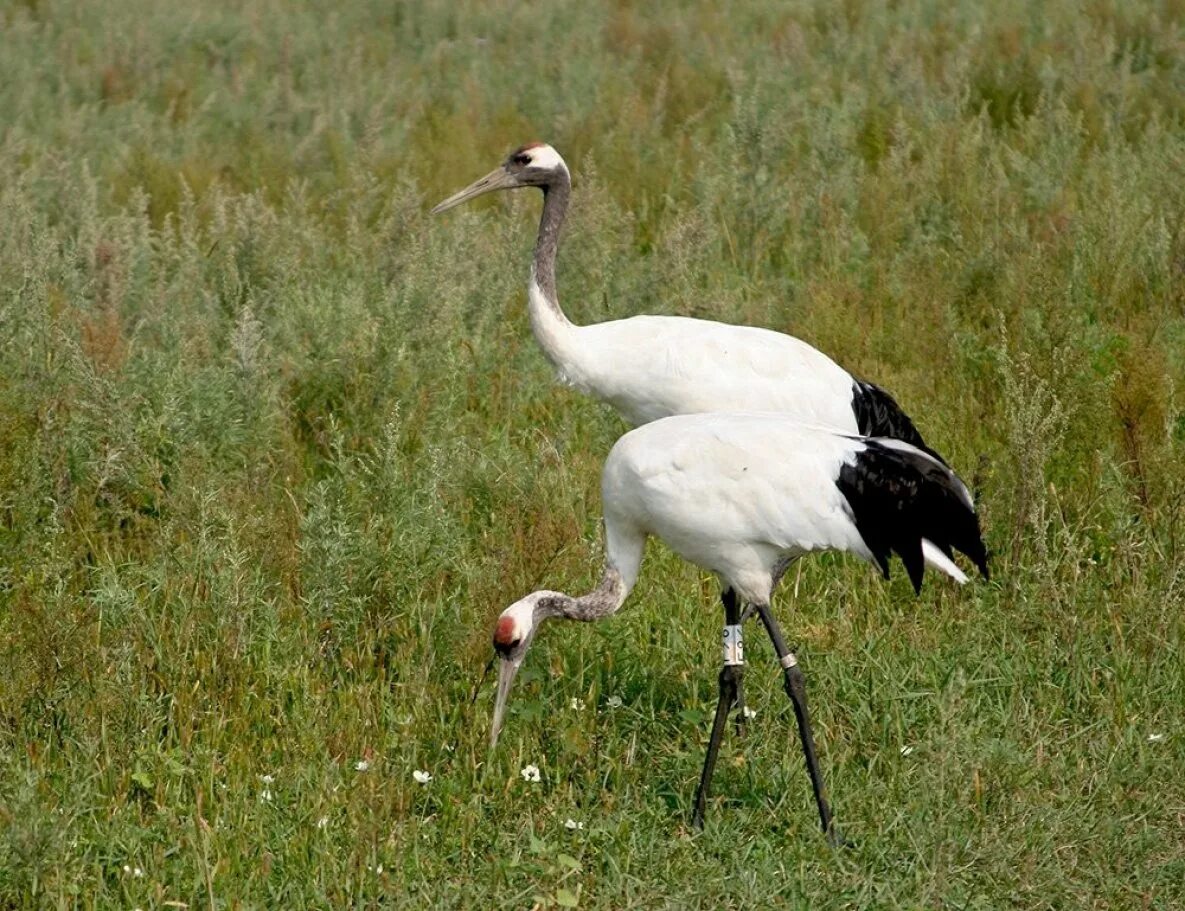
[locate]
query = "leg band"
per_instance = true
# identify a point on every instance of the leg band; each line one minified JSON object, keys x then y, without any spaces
{"x":789,"y":661}
{"x":734,"y":648}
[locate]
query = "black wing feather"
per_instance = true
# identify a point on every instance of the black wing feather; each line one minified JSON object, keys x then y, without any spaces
{"x":898,"y":496}
{"x":879,"y":415}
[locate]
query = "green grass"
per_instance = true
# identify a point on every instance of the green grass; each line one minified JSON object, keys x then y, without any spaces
{"x":276,"y":447}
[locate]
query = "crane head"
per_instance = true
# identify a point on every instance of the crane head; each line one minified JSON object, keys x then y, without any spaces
{"x":513,"y":635}
{"x":534,"y":165}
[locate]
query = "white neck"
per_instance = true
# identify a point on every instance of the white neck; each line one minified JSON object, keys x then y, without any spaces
{"x":554,"y":332}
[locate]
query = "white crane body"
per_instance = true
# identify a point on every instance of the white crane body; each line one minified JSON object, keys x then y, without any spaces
{"x":653,"y":367}
{"x":737,"y":494}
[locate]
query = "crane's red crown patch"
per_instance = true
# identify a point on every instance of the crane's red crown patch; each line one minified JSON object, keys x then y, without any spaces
{"x":504,"y":632}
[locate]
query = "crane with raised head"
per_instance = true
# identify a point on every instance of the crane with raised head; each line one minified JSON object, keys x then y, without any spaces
{"x":650,"y":367}
{"x":743,"y":496}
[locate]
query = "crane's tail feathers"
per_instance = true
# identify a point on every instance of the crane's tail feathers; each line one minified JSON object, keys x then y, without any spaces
{"x":906,"y":501}
{"x":940,"y":561}
{"x":926,"y":457}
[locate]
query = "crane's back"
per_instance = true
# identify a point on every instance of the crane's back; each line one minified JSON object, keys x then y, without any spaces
{"x":733,"y":493}
{"x":651,"y":367}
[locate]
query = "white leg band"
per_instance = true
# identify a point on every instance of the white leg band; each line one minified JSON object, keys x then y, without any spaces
{"x":734,"y":648}
{"x":788,"y":660}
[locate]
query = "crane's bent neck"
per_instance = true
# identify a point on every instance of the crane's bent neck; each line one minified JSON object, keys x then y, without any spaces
{"x":624,"y":545}
{"x":602,"y":601}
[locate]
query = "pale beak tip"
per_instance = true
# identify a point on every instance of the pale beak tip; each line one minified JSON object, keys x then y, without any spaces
{"x":498,"y":179}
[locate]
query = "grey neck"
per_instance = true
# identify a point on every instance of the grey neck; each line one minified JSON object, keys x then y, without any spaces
{"x":602,"y":601}
{"x":555,"y":207}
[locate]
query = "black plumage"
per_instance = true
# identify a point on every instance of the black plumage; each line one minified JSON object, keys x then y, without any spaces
{"x":898,"y":496}
{"x":879,"y":415}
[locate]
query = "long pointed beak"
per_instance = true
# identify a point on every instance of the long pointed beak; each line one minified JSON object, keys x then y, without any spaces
{"x":506,"y":673}
{"x":497,"y":179}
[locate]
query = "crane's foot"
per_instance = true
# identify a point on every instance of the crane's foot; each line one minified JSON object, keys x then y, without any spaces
{"x":836,"y":840}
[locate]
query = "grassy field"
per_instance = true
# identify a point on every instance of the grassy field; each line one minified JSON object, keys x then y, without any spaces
{"x":276,"y":447}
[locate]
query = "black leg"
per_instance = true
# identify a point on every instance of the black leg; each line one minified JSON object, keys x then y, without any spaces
{"x":732,"y":615}
{"x":732,"y":606}
{"x":795,"y":685}
{"x":741,"y":720}
{"x":729,"y":674}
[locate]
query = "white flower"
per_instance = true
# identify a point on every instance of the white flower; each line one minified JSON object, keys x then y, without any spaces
{"x":530,"y":773}
{"x":127,"y":869}
{"x":361,"y":765}
{"x":750,"y":713}
{"x":265,"y":794}
{"x":573,"y":825}
{"x":323,"y":822}
{"x":137,"y":872}
{"x":1156,"y":738}
{"x":421,"y":776}
{"x":905,"y":751}
{"x":614,"y":702}
{"x":576,"y":704}
{"x":267,"y":779}
{"x":377,"y":870}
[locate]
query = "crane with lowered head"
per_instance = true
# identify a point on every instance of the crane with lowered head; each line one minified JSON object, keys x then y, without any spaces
{"x":743,"y":496}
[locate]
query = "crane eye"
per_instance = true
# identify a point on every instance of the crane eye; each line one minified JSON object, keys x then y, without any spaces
{"x":522,"y":159}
